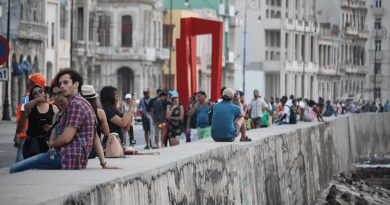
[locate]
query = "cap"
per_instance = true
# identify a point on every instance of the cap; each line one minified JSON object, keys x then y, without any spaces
{"x":228,"y":92}
{"x":146,"y":90}
{"x":39,"y":79}
{"x":172,"y":92}
{"x":241,"y":93}
{"x":128,"y":96}
{"x":88,"y":92}
{"x":305,"y":97}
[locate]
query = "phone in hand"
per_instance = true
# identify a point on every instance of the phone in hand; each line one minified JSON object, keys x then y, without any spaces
{"x":42,"y":122}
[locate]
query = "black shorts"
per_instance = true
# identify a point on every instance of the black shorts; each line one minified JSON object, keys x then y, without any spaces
{"x":264,"y":126}
{"x":145,"y":123}
{"x":236,"y":133}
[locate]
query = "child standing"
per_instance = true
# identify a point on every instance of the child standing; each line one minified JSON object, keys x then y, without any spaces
{"x":265,"y":119}
{"x":249,"y":122}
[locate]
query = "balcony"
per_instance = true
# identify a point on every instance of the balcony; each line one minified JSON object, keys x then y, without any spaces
{"x":378,"y":33}
{"x":326,"y":32}
{"x":162,"y":54}
{"x":357,"y":4}
{"x":289,"y":24}
{"x":378,"y":11}
{"x":350,"y":31}
{"x":362,"y":69}
{"x":79,"y":48}
{"x":33,"y":31}
{"x":130,"y":53}
{"x":236,"y":21}
{"x":364,"y":32}
{"x":272,"y":24}
{"x":379,"y":56}
{"x":379,"y":78}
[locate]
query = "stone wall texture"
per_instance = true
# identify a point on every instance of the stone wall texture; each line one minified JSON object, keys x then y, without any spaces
{"x":289,"y":168}
{"x":289,"y":165}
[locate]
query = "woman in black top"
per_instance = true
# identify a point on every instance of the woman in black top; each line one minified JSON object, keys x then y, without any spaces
{"x":40,"y":116}
{"x":116,"y":122}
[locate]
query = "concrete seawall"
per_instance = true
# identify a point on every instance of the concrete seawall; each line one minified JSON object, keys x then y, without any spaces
{"x":288,"y":164}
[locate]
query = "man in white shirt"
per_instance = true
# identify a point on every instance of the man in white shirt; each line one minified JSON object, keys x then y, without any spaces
{"x":256,"y":109}
{"x":286,"y":111}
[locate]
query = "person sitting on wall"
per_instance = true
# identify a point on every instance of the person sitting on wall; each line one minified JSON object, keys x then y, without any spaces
{"x":223,"y":127}
{"x":329,"y":110}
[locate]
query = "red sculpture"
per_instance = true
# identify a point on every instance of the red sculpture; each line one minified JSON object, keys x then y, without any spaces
{"x":190,"y":28}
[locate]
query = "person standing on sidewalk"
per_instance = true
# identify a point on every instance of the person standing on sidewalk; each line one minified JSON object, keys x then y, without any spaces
{"x":158,"y":115}
{"x":256,"y":109}
{"x":387,"y":106}
{"x":201,"y":110}
{"x":21,"y":116}
{"x":146,"y":118}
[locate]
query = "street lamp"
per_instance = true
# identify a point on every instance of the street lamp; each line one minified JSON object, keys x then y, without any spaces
{"x":253,"y":5}
{"x":376,"y":49}
{"x":307,"y":18}
{"x":6,"y":115}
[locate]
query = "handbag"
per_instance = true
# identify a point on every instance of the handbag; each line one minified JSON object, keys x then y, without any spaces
{"x":114,"y":147}
{"x":31,"y":147}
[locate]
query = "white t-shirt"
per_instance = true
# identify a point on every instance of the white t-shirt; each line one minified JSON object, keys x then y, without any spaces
{"x":302,"y":104}
{"x":256,"y":107}
{"x":286,"y":110}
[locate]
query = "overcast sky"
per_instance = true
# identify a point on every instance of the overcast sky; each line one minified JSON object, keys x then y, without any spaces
{"x":330,"y":11}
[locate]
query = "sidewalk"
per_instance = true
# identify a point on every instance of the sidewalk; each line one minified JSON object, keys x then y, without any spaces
{"x":13,"y":120}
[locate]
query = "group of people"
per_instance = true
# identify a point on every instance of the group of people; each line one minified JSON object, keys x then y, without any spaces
{"x":64,"y":124}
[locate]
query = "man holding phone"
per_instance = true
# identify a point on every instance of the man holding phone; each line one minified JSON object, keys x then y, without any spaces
{"x":224,"y":128}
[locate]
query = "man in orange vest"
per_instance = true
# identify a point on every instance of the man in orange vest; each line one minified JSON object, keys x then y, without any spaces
{"x":21,"y":117}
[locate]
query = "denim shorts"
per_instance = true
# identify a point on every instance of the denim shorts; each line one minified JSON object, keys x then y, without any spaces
{"x":236,"y":133}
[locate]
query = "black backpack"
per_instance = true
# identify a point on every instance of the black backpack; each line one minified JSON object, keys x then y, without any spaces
{"x":293,"y":117}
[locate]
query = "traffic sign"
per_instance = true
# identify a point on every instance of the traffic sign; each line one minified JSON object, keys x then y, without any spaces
{"x":4,"y":50}
{"x":4,"y":74}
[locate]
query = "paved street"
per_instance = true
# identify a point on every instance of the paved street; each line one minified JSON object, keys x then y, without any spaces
{"x":8,"y":152}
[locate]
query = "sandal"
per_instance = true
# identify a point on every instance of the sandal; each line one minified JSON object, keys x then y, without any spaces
{"x":246,"y":139}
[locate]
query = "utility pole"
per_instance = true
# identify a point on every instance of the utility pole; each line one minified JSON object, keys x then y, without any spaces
{"x":170,"y":48}
{"x":71,"y":33}
{"x":6,"y":114}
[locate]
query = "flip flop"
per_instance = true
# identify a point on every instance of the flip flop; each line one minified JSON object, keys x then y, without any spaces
{"x":246,"y":139}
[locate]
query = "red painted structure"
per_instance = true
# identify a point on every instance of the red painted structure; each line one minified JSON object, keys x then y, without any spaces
{"x":190,"y":28}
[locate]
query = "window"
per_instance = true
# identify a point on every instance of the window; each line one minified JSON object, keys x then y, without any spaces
{"x":104,"y":30}
{"x":90,"y":32}
{"x":286,"y":40}
{"x":279,"y":2}
{"x":286,"y":3}
{"x":272,"y":56}
{"x":266,"y":55}
{"x":303,"y":47}
{"x":80,"y":23}
{"x":272,"y":14}
{"x":159,"y":34}
{"x":155,"y":33}
{"x":272,"y":35}
{"x":272,"y":2}
{"x":377,"y":68}
{"x":378,"y":45}
{"x":378,"y":3}
{"x":378,"y":23}
{"x":52,"y":34}
{"x":377,"y":93}
{"x":21,"y":12}
{"x":167,"y":33}
{"x":127,"y":31}
{"x":63,"y":20}
{"x":277,"y":39}
{"x":267,"y":2}
{"x":267,"y":13}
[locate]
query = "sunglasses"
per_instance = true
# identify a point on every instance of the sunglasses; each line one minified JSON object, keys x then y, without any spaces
{"x":36,"y":92}
{"x":59,"y":94}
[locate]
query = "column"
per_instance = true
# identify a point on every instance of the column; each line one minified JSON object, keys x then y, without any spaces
{"x":290,"y":50}
{"x":291,"y":9}
{"x":307,"y":8}
{"x":300,"y":10}
{"x":282,"y":83}
{"x":299,"y":86}
{"x":86,"y":23}
{"x":299,"y":53}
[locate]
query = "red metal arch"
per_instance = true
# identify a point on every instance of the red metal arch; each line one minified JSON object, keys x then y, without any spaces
{"x":190,"y":28}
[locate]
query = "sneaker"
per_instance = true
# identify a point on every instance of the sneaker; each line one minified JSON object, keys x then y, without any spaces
{"x":155,"y":147}
{"x":147,"y":147}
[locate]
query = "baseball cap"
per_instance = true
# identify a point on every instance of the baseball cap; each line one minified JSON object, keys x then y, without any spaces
{"x":241,"y":93}
{"x":305,"y":97}
{"x":39,"y":79}
{"x":128,"y":96}
{"x":228,"y":92}
{"x":146,"y":90}
{"x":172,"y":92}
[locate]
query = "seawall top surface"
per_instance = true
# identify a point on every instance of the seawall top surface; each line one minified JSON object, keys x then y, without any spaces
{"x":54,"y":186}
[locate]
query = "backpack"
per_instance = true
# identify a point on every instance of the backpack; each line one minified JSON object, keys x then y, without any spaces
{"x":293,"y":117}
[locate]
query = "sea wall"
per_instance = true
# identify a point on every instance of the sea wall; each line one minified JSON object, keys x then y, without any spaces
{"x":289,"y":164}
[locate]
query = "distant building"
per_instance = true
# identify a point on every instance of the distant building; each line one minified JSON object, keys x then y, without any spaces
{"x":378,"y":18}
{"x":29,"y":46}
{"x":120,"y":44}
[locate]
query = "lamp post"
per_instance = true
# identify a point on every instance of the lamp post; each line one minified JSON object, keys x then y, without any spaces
{"x":170,"y":48}
{"x":253,"y":5}
{"x":71,"y":33}
{"x":307,"y":18}
{"x":6,"y":115}
{"x":376,"y":49}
